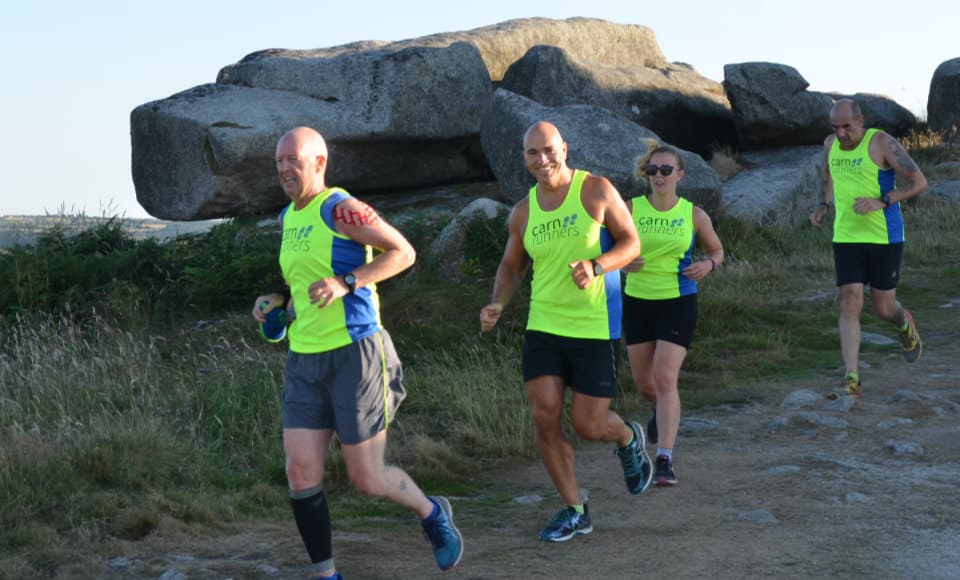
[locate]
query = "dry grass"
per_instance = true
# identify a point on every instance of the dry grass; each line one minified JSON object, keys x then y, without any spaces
{"x":724,"y":162}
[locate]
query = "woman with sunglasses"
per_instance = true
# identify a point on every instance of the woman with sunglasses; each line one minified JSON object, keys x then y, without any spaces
{"x":660,"y":295}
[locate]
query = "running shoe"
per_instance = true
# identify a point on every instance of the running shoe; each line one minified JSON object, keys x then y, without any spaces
{"x":566,"y":524}
{"x":637,"y":471}
{"x":445,"y":537}
{"x":663,"y":472}
{"x":910,"y":339}
{"x":851,"y":388}
{"x":652,"y":428}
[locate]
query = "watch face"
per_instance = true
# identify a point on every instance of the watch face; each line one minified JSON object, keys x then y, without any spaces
{"x":597,"y":269}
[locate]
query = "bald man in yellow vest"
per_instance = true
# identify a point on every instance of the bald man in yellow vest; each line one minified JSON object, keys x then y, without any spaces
{"x":342,"y":376}
{"x":860,"y":169}
{"x":574,"y":229}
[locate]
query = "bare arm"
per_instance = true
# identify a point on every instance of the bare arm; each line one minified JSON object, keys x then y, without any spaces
{"x":636,"y":264}
{"x":603,"y":202}
{"x":711,"y":245}
{"x":826,"y":202}
{"x":512,"y":269}
{"x":913,"y":182}
{"x":358,"y":221}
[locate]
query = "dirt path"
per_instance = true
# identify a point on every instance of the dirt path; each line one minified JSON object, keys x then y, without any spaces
{"x":765,"y":491}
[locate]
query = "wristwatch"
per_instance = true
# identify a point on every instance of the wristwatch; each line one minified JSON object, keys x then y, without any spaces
{"x":885,"y":198}
{"x":597,"y":268}
{"x":351,"y":281}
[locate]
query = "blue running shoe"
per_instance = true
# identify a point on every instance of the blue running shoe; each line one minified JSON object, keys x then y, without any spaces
{"x":445,"y":537}
{"x":566,"y":524}
{"x":637,"y":469}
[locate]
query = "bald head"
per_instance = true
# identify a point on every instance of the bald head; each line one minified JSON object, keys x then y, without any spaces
{"x":545,"y":154}
{"x":847,"y":107}
{"x":302,"y":164}
{"x":846,"y":119}
{"x":543,"y":132}
{"x":306,"y":140}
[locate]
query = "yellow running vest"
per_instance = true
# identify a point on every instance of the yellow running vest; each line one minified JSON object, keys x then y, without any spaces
{"x":668,"y":238}
{"x":311,"y":250}
{"x":554,"y":239}
{"x":855,"y":175}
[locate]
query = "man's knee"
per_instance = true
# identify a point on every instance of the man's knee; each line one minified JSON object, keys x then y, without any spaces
{"x":303,"y":474}
{"x":546,"y":414}
{"x":366,"y":479}
{"x":589,"y":429}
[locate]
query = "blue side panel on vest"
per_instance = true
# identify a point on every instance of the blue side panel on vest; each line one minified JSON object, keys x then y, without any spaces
{"x":686,"y":285}
{"x":612,"y":285}
{"x":892,"y":214}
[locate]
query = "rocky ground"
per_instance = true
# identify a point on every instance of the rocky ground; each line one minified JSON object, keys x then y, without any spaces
{"x":790,"y":486}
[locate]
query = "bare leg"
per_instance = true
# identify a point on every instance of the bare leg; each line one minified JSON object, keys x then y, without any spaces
{"x":851,"y":304}
{"x":641,"y":369}
{"x":306,"y":451}
{"x":667,"y":359}
{"x":886,"y":307}
{"x":594,"y":421}
{"x":545,"y":394}
{"x":372,"y":477}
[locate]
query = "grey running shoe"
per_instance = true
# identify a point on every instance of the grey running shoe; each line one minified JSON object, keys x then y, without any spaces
{"x":637,"y":470}
{"x":566,"y":524}
{"x":663,"y":472}
{"x":910,"y":339}
{"x":445,"y":537}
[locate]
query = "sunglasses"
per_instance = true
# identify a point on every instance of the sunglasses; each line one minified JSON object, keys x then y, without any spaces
{"x":651,"y":169}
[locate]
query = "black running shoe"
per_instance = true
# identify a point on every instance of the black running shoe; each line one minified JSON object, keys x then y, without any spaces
{"x":663,"y":472}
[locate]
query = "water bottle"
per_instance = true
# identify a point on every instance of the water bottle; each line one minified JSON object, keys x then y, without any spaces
{"x":275,"y":328}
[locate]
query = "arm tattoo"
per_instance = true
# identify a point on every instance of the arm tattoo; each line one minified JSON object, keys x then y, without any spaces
{"x":364,"y":216}
{"x":903,"y":160}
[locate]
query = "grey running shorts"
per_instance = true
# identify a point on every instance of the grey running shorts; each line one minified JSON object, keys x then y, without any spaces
{"x":355,"y":389}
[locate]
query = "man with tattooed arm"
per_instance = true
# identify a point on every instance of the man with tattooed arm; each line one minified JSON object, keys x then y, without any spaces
{"x":861,"y":167}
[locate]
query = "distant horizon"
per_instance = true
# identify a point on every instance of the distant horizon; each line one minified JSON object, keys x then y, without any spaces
{"x":81,"y":68}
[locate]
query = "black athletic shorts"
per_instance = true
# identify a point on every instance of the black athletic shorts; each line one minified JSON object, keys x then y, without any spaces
{"x":875,"y":264}
{"x":588,"y":365}
{"x":671,"y":320}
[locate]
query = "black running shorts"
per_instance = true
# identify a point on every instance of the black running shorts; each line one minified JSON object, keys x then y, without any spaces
{"x":875,"y":264}
{"x":671,"y":320}
{"x":588,"y":365}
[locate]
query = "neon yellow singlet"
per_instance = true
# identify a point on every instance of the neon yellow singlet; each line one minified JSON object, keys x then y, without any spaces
{"x":855,"y":175}
{"x":312,"y":250}
{"x":554,"y":239}
{"x":668,"y":238}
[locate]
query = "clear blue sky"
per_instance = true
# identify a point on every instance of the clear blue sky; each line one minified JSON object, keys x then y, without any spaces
{"x":73,"y":71}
